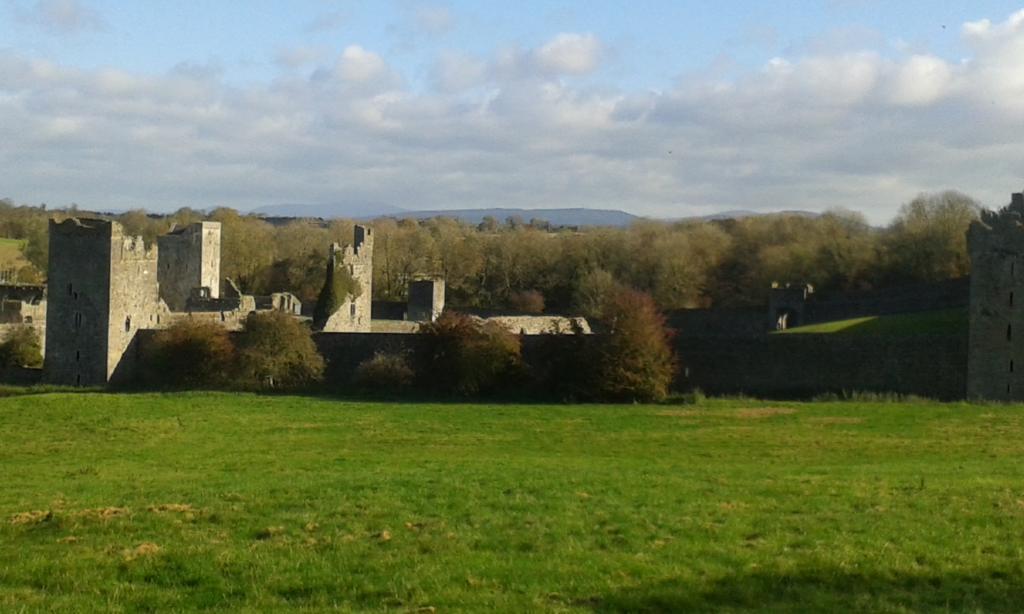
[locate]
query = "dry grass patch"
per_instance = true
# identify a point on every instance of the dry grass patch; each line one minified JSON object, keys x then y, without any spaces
{"x":183,"y":508}
{"x":35,"y":517}
{"x":755,"y":413}
{"x":143,"y":550}
{"x":680,"y":413}
{"x":103,"y":513}
{"x":834,"y":420}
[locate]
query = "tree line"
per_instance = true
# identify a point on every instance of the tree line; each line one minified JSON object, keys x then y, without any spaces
{"x":533,"y":266}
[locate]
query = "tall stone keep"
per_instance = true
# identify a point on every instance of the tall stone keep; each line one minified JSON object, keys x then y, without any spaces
{"x":995,"y":349}
{"x":102,"y":288}
{"x":356,"y":260}
{"x":189,"y":262}
{"x":426,"y":299}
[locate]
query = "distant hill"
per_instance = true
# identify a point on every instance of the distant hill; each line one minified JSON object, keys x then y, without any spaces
{"x":354,"y":211}
{"x":578,"y":216}
{"x":556,"y":217}
{"x":366,"y":211}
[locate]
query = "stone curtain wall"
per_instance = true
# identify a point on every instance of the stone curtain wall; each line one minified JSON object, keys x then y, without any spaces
{"x":774,"y":366}
{"x":805,"y":365}
{"x":947,"y":294}
{"x":719,"y":323}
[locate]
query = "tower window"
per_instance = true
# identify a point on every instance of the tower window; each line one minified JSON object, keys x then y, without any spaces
{"x":78,"y":356}
{"x":352,"y":310}
{"x":127,"y":324}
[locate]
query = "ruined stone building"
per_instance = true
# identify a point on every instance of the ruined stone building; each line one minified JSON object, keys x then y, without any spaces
{"x":189,"y":263}
{"x":104,"y":286}
{"x":354,"y":263}
{"x":22,"y":305}
{"x":996,"y":315}
{"x":426,"y":299}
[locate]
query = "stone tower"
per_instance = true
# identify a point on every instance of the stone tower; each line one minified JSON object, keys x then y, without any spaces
{"x":102,"y":287}
{"x":189,"y":261}
{"x":996,"y":315}
{"x":353,"y":315}
{"x":426,"y":299}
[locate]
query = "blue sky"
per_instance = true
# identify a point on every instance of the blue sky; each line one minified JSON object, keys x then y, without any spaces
{"x":764,"y":105}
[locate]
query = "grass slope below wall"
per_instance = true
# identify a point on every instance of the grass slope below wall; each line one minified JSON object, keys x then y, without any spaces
{"x":947,"y":321}
{"x":240,"y":502}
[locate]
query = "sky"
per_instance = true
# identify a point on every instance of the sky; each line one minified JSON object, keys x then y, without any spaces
{"x":659,"y":108}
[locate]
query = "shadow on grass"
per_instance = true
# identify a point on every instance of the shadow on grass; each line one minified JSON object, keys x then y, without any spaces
{"x":825,"y":590}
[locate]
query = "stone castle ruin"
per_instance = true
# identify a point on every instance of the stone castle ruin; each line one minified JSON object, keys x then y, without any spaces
{"x":104,"y":286}
{"x":996,"y":318}
{"x":350,"y":269}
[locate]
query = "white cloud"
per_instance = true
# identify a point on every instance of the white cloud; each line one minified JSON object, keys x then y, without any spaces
{"x":59,"y":16}
{"x":922,"y":80}
{"x":358,"y":65}
{"x":859,"y":129}
{"x":454,"y":72}
{"x":570,"y":53}
{"x":326,"y":22}
{"x":297,"y":57}
{"x":434,"y":19}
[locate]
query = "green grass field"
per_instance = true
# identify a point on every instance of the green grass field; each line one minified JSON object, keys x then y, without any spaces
{"x":11,"y":254}
{"x":240,"y":502}
{"x":922,"y":323}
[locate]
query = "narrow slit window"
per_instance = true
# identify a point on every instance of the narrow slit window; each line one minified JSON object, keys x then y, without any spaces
{"x":127,"y":324}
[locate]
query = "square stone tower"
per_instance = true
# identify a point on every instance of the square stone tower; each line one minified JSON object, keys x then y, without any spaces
{"x":189,"y":260}
{"x":996,"y":314}
{"x":426,"y":299}
{"x":102,"y":287}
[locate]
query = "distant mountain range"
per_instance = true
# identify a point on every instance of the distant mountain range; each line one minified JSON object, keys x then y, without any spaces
{"x":556,"y":217}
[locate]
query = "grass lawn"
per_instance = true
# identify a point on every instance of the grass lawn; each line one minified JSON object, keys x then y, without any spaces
{"x":10,"y":253}
{"x":229,"y":501}
{"x":922,"y":323}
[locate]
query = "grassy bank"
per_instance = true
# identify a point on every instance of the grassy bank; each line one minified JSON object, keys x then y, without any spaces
{"x":244,"y":502}
{"x":942,"y":322}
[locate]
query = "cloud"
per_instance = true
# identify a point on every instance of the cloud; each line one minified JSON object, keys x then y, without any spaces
{"x":570,"y":53}
{"x":357,"y":65}
{"x":863,"y":129}
{"x":297,"y":57}
{"x":434,"y":19}
{"x":326,"y":22}
{"x":59,"y":16}
{"x":454,"y":72}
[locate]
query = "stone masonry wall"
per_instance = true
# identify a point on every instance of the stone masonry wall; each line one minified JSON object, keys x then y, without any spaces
{"x":996,"y":245}
{"x":134,"y":297}
{"x":354,"y":314}
{"x":78,"y":296}
{"x":189,"y":259}
{"x":805,"y":365}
